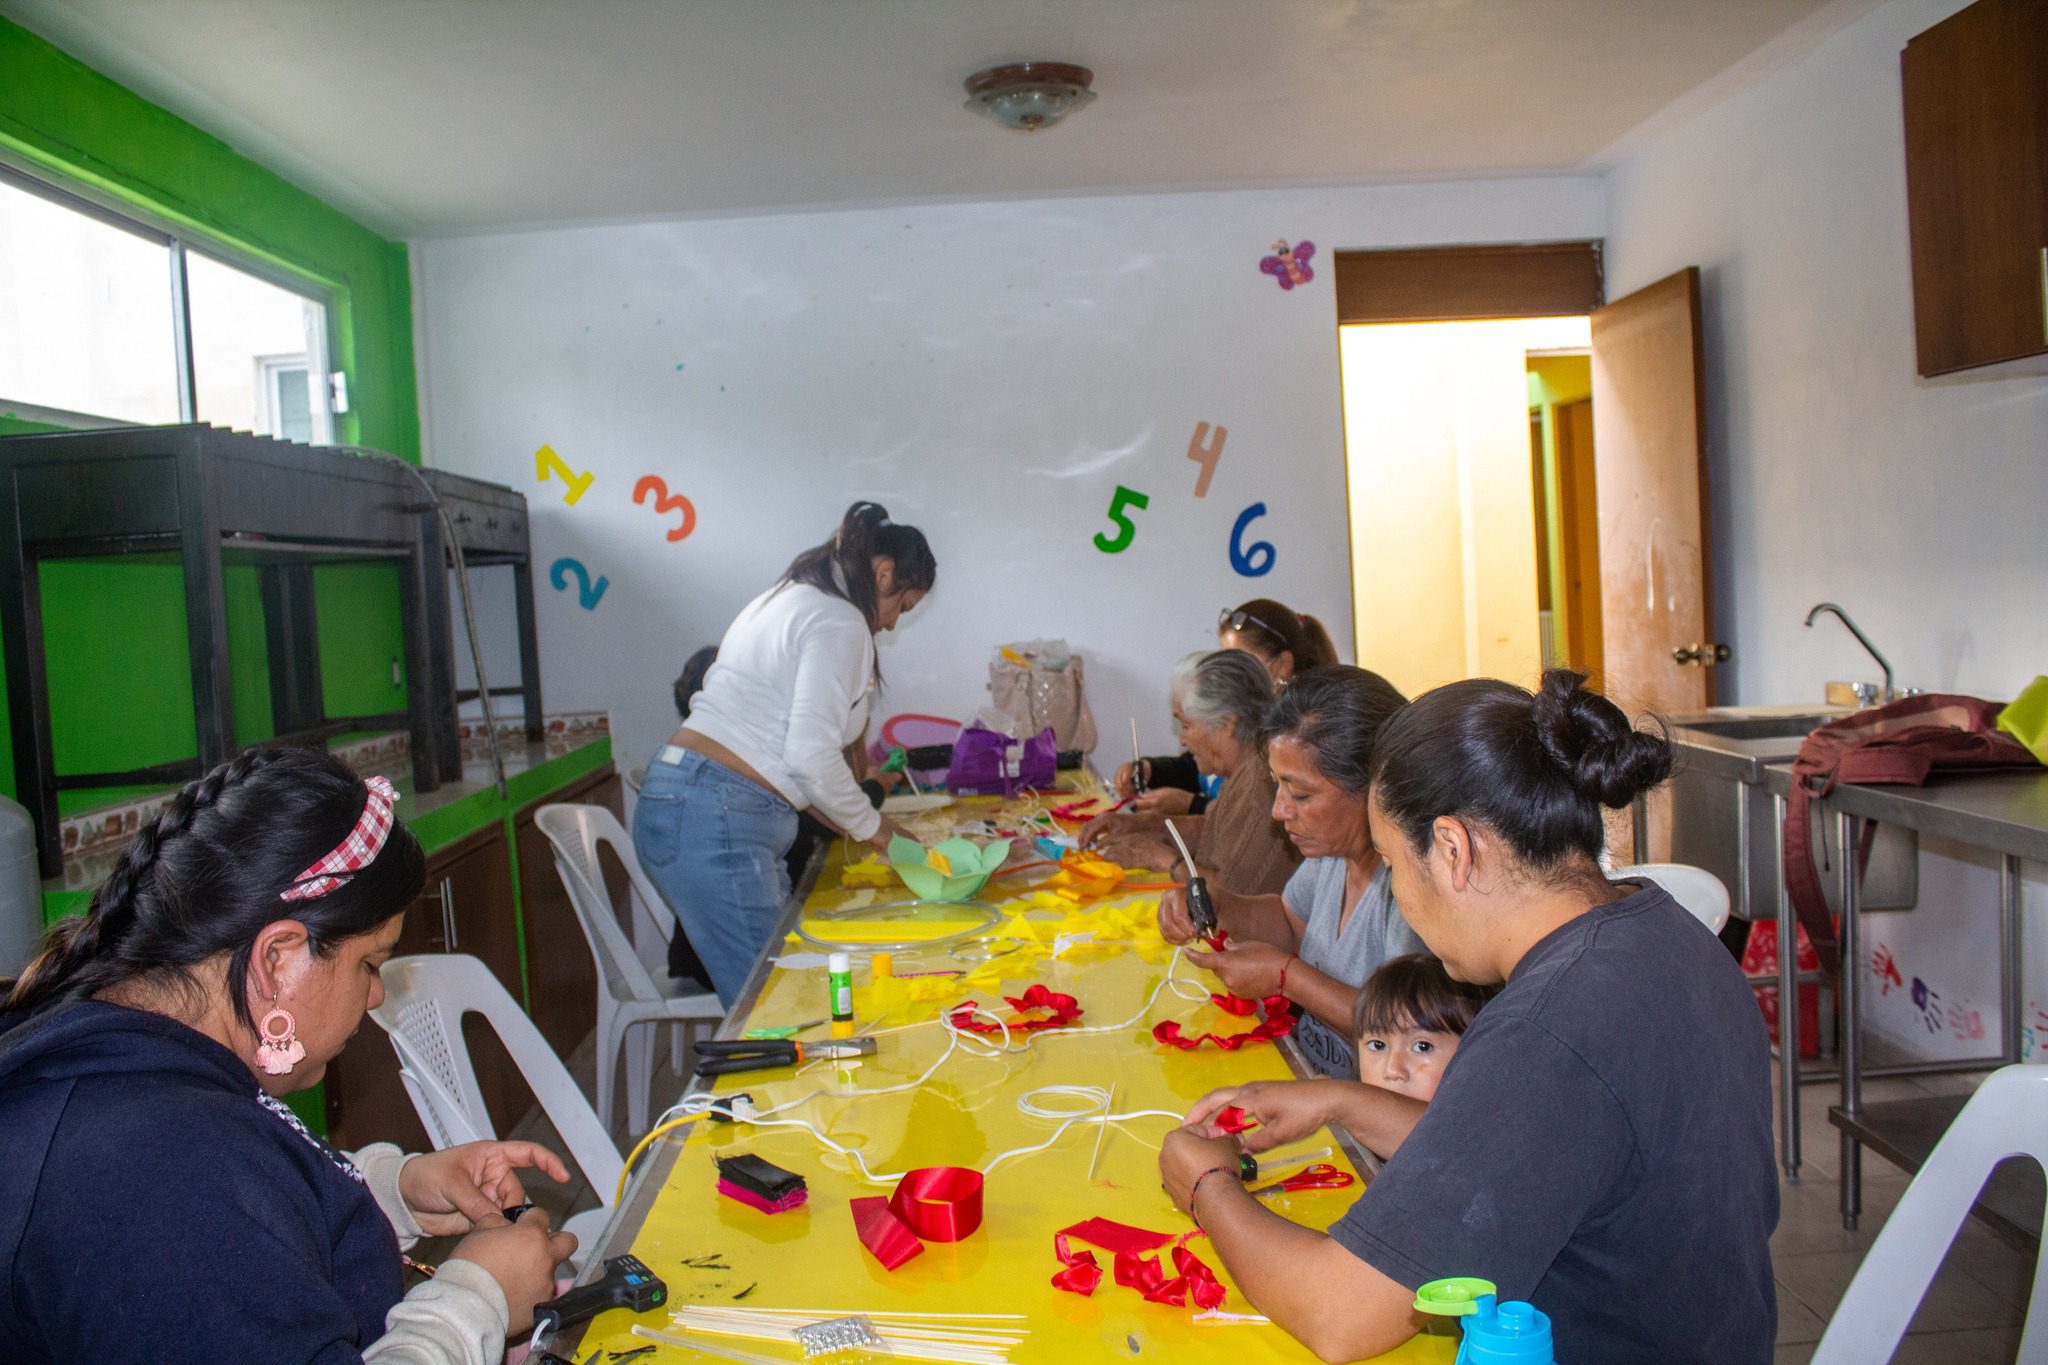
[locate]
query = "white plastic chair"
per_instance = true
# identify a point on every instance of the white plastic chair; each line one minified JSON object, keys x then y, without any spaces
{"x":2008,"y":1116}
{"x":627,"y":993}
{"x":425,"y":998}
{"x":1695,"y":888}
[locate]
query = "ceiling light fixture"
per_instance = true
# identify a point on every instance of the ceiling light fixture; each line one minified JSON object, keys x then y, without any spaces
{"x":1029,"y":96}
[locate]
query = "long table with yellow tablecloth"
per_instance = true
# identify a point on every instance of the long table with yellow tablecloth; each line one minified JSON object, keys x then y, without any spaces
{"x":1103,"y":950}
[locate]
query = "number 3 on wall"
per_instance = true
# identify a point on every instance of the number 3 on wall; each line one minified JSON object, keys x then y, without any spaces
{"x":1126,"y":530}
{"x":664,"y":501}
{"x":1257,"y":559}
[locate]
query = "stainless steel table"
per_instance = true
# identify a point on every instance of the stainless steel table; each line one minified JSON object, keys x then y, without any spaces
{"x":2003,"y":813}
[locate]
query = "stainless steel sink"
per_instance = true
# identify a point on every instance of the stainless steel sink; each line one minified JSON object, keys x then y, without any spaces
{"x":1794,"y":728}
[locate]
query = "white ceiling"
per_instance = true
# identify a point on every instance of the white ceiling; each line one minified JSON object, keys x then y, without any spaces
{"x":432,"y":117}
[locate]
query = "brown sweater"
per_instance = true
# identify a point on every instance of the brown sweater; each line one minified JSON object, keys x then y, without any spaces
{"x":1247,"y":847}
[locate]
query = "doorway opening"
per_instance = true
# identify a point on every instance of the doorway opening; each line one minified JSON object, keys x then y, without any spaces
{"x":1475,"y":544}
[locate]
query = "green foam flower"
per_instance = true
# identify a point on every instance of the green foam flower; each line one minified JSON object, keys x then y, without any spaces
{"x":953,"y":871}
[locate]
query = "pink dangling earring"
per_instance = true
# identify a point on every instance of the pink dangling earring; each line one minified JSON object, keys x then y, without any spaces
{"x":280,"y":1049}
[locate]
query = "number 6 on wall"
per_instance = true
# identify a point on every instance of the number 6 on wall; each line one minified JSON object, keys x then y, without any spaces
{"x":1126,"y":530}
{"x":1248,"y":560}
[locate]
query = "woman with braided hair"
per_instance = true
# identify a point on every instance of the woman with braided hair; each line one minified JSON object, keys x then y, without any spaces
{"x":158,"y":1200}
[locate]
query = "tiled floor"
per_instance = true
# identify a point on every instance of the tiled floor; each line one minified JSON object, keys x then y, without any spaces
{"x":1971,"y":1316}
{"x":1972,"y":1313}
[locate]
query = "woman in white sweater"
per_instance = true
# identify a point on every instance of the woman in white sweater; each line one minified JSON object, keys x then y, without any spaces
{"x":768,"y":737}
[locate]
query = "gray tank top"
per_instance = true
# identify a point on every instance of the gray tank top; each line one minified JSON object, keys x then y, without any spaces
{"x":1374,"y":933}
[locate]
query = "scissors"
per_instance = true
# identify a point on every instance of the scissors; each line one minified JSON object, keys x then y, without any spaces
{"x":764,"y":1054}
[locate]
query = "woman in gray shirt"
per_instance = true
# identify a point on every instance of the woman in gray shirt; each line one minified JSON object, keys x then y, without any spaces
{"x":1336,"y":921}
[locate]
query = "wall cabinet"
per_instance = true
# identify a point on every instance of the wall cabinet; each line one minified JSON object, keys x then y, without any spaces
{"x":1976,"y":112}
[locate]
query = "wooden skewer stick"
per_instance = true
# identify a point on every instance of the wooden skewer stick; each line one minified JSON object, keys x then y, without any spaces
{"x":1102,"y":1129}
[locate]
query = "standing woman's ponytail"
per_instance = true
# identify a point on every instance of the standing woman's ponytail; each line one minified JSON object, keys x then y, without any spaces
{"x":843,"y":566}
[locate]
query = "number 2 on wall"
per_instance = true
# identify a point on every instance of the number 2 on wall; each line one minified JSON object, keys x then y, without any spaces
{"x":546,"y":462}
{"x":1126,"y":530}
{"x":664,"y":501}
{"x":1256,"y":559}
{"x":587,"y":593}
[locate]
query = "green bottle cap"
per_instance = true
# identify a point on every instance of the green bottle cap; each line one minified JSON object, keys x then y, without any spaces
{"x":1453,"y":1298}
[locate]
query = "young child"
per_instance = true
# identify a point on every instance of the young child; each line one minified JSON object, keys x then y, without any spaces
{"x":1408,"y":1020}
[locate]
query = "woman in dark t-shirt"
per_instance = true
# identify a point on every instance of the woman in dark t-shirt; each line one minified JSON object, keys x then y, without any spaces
{"x":1603,"y":1132}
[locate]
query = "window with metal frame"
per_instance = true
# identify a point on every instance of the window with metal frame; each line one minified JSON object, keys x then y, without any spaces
{"x":109,"y":319}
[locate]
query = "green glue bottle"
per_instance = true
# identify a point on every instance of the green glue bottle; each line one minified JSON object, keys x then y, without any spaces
{"x":1496,"y":1333}
{"x":839,"y":967}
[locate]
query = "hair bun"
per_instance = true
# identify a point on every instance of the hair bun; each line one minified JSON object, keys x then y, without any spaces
{"x":1607,"y":759}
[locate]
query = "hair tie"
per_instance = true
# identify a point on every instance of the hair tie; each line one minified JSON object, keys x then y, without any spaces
{"x":884,"y":522}
{"x":354,"y":853}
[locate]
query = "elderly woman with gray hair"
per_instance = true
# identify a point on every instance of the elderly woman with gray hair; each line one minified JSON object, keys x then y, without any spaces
{"x":1220,"y":699}
{"x":1335,"y":921}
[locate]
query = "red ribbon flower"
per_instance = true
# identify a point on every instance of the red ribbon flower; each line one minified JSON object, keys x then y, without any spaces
{"x":1080,"y":1272}
{"x":1061,"y":1009}
{"x":1232,"y":1119}
{"x":932,"y":1203}
{"x":1278,"y":1023}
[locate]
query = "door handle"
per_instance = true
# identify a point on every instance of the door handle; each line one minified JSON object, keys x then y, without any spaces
{"x":1706,"y":656}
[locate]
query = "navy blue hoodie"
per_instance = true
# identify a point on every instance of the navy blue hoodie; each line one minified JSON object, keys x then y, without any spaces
{"x":156,"y":1206}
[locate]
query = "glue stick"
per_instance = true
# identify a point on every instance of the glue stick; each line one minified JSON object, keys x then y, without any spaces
{"x":882,"y":966}
{"x":840,"y":968}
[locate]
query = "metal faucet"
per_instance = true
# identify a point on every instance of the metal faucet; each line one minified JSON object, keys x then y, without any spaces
{"x":1861,"y":639}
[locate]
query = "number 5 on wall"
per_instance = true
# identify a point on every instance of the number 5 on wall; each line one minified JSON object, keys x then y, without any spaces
{"x":1126,"y":530}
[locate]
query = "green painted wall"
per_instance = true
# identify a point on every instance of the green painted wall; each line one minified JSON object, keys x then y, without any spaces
{"x":120,"y":671}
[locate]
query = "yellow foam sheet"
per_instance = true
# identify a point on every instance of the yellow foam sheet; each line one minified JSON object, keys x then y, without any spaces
{"x":963,"y":1116}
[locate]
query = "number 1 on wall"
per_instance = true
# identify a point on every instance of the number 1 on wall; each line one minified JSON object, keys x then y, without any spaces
{"x":546,"y":462}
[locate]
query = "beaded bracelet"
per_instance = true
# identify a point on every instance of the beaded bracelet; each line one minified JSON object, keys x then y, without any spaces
{"x":1196,"y":1189}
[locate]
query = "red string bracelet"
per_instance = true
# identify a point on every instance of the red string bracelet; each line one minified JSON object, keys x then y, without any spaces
{"x":1195,"y":1191}
{"x":1291,"y":959}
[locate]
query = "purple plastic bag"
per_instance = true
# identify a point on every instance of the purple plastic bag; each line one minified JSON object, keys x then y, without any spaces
{"x":988,"y":763}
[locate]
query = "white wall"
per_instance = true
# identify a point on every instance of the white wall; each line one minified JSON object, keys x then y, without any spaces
{"x":1921,"y":507}
{"x":990,"y":372}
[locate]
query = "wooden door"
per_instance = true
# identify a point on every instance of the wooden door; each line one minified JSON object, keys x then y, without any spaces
{"x":1658,"y":647}
{"x":561,"y":972}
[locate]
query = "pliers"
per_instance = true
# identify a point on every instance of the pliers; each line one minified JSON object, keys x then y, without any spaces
{"x":762,"y":1054}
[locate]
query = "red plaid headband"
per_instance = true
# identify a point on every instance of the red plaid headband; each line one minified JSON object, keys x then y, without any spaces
{"x":354,"y":853}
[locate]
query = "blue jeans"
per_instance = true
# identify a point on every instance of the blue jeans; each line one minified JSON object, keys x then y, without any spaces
{"x":713,"y":843}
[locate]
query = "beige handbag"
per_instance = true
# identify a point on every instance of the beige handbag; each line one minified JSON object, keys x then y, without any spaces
{"x":1037,"y":684}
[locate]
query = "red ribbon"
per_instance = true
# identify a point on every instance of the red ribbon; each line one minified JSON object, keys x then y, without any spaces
{"x":1321,"y":1176}
{"x":1062,"y":1009}
{"x":932,"y":1203}
{"x":939,"y":1203}
{"x":1232,"y":1119}
{"x":1080,"y":1272}
{"x":1278,"y":1023}
{"x":883,"y":1233}
{"x":1079,"y":811}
